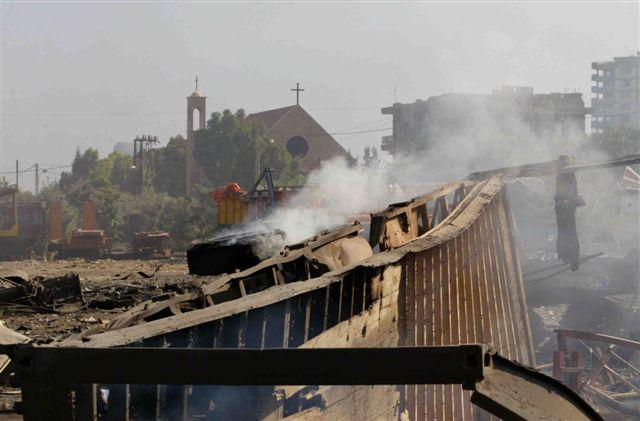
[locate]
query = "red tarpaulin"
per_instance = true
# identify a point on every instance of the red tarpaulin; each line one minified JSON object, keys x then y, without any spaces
{"x":218,"y":194}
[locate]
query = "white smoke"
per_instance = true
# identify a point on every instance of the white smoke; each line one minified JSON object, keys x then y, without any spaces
{"x":465,"y":134}
{"x":335,"y":194}
{"x":469,"y":133}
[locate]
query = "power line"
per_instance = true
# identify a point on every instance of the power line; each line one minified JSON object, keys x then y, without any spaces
{"x":56,"y":168}
{"x":77,"y":114}
{"x":51,"y":165}
{"x":375,"y":123}
{"x":32,"y":168}
{"x":53,"y":173}
{"x":319,"y":133}
{"x":362,"y":131}
{"x":148,"y":113}
{"x":344,"y":108}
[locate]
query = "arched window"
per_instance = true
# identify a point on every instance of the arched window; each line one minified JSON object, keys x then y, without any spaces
{"x":298,"y":146}
{"x":195,"y":121}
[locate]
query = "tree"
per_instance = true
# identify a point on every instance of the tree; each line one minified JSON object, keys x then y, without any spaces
{"x":226,"y":150}
{"x":235,"y":149}
{"x":230,"y":148}
{"x":84,"y":163}
{"x":122,"y":174}
{"x":171,"y":166}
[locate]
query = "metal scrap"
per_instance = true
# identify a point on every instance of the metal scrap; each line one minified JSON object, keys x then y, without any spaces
{"x":57,"y":294}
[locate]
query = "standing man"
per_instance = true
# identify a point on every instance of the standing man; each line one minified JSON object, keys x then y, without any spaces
{"x":566,"y":202}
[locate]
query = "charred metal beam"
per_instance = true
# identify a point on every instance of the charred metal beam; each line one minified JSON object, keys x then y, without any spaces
{"x":282,"y":366}
{"x":588,"y":336}
{"x":502,"y":387}
{"x":553,"y":168}
{"x":512,"y":391}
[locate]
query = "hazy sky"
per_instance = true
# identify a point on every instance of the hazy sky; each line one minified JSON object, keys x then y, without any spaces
{"x":93,"y":74}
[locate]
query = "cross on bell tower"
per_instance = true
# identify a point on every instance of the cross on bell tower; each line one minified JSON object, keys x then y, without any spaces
{"x":297,"y":89}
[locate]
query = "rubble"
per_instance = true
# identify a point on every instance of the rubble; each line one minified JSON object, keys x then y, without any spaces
{"x":58,"y":294}
{"x":47,"y":310}
{"x":609,"y":377}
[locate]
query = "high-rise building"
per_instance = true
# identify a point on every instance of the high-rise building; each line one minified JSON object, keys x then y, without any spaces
{"x":616,"y":94}
{"x":510,"y":112}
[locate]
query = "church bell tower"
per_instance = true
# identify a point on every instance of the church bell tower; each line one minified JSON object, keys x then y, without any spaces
{"x":196,"y":101}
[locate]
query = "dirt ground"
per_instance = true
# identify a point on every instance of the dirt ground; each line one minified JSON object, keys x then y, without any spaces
{"x":105,"y":283}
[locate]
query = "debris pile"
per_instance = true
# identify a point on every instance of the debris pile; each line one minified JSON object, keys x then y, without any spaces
{"x":70,"y":296}
{"x":602,"y":368}
{"x":61,"y":294}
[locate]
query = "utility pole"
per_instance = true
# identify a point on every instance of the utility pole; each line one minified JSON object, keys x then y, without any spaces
{"x":37,"y":182}
{"x":17,"y":172}
{"x":138,"y":157}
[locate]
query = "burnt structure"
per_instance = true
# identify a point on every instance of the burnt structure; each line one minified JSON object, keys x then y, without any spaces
{"x":449,"y":275}
{"x":392,"y":335}
{"x":514,"y":112}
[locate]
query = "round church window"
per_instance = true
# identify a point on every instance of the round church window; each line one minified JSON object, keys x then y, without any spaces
{"x":298,"y":146}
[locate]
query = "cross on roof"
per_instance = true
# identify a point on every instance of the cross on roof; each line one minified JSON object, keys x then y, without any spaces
{"x":297,"y":89}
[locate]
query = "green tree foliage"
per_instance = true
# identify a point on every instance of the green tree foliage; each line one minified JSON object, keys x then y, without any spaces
{"x":84,"y":163}
{"x":226,"y":149}
{"x":233,"y":148}
{"x":111,"y":183}
{"x":230,"y":148}
{"x":121,"y":173}
{"x":170,"y":166}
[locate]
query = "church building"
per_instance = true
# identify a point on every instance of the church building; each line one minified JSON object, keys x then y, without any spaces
{"x":301,"y":135}
{"x":290,"y":126}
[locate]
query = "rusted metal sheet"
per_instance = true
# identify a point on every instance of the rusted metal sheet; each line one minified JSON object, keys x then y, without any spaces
{"x":458,"y":282}
{"x":55,"y":221}
{"x":89,"y":216}
{"x":150,"y":244}
{"x":86,"y":243}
